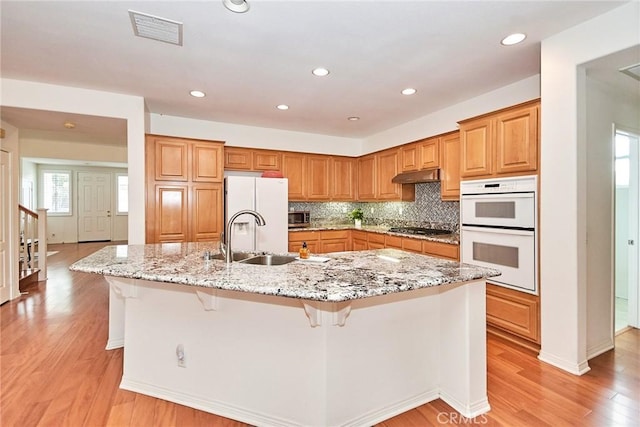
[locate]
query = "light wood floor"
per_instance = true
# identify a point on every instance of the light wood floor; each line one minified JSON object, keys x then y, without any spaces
{"x":55,"y":371}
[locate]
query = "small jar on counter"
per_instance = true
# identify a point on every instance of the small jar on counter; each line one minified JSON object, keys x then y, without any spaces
{"x":304,"y":251}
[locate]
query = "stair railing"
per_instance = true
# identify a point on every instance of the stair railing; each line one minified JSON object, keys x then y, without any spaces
{"x":33,"y":239}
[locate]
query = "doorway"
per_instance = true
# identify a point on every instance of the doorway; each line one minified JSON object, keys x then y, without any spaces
{"x":627,"y":182}
{"x":94,"y":206}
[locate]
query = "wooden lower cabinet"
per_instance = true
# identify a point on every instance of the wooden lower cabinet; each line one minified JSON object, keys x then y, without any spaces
{"x":441,"y":250}
{"x":359,"y":240}
{"x":375,"y":241}
{"x":513,"y":315}
{"x":296,"y":238}
{"x":393,"y":242}
{"x":334,"y":241}
{"x":412,"y":245}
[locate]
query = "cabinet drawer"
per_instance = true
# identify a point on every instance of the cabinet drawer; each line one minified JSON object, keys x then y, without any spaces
{"x":334,"y":234}
{"x":412,"y":245}
{"x":360,"y":235}
{"x":513,"y":311}
{"x":443,"y":250}
{"x":302,"y":236}
{"x":376,"y":238}
{"x":393,"y":242}
{"x":334,"y":245}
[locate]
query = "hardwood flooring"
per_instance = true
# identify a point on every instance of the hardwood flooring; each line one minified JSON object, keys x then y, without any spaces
{"x":55,"y":371}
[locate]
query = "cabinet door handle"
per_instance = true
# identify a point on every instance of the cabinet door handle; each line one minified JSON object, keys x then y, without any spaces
{"x":631,"y":242}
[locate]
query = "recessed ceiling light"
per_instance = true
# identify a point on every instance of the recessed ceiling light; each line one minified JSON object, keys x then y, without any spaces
{"x":409,"y":91}
{"x":69,"y":125}
{"x":282,"y":107}
{"x":237,"y":6}
{"x":513,"y":39}
{"x":320,"y":72}
{"x":197,"y":93}
{"x":353,"y":118}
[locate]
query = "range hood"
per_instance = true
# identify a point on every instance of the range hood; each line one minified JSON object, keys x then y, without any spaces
{"x":427,"y":175}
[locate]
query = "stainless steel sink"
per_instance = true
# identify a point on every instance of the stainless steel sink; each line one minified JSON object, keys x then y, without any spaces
{"x":268,"y":260}
{"x":237,"y":256}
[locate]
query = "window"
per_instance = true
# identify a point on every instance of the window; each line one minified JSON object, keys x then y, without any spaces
{"x":622,"y":150}
{"x":56,"y":192}
{"x":123,"y":194}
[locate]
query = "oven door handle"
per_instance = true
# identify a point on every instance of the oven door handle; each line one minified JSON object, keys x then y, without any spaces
{"x":511,"y":196}
{"x":493,"y":230}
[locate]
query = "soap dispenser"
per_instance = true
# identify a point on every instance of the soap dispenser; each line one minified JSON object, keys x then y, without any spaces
{"x":304,"y":251}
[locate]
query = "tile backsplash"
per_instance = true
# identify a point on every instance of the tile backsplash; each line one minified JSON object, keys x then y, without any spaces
{"x":426,"y":211}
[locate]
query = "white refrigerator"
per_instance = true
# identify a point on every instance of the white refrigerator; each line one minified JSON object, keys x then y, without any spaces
{"x":267,"y":196}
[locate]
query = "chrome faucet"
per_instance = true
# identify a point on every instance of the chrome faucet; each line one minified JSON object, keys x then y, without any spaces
{"x":226,"y":248}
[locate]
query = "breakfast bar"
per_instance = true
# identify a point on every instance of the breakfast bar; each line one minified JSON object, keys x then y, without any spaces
{"x":350,"y":339}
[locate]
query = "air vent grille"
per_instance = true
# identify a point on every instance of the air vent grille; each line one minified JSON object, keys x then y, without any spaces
{"x":156,"y":28}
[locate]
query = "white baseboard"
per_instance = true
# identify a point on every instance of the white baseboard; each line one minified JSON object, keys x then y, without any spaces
{"x":377,"y":416}
{"x":575,"y":369}
{"x":113,"y":344}
{"x":467,"y":410}
{"x":597,"y":350}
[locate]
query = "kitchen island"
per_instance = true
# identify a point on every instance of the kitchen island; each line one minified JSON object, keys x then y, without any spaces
{"x":350,"y":341}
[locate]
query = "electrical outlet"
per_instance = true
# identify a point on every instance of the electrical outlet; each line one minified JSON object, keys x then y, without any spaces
{"x":400,"y":210}
{"x":180,"y":356}
{"x":344,"y":209}
{"x":372,"y":210}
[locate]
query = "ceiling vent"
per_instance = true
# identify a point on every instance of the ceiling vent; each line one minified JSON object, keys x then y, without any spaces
{"x":632,"y":71}
{"x":156,"y":28}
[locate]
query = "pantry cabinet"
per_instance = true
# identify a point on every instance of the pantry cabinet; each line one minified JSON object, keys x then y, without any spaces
{"x":502,"y":143}
{"x":184,"y":195}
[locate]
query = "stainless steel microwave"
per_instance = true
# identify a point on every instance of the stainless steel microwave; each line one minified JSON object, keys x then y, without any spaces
{"x":299,"y":219}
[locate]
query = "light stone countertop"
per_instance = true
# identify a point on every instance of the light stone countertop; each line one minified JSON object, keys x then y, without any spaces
{"x":346,"y":276}
{"x":450,"y":238}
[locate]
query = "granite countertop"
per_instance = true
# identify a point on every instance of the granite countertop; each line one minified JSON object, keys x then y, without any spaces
{"x":346,"y":276}
{"x":451,"y":238}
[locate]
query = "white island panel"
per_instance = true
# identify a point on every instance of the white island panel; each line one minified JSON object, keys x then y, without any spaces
{"x":257,"y":359}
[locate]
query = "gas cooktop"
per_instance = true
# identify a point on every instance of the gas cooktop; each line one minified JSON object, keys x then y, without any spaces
{"x":418,"y":230}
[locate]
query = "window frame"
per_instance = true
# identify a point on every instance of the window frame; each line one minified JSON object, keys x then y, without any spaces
{"x":43,"y":188}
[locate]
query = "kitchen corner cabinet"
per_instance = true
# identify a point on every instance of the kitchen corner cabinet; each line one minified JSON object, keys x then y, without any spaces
{"x":501,"y":143}
{"x":450,"y":166}
{"x":184,"y":193}
{"x":375,"y":172}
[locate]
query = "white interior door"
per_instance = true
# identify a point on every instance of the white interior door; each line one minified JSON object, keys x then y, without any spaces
{"x":94,"y":206}
{"x":634,"y":217}
{"x":5,"y":223}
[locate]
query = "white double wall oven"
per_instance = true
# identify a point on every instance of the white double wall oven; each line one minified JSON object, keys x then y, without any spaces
{"x":498,"y":229}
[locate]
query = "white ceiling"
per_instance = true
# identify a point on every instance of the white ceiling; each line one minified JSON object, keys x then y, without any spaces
{"x":248,"y":63}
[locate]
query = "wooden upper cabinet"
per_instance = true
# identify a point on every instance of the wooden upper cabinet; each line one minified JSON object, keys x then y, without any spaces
{"x":237,"y":158}
{"x":387,"y":167}
{"x":171,"y":159}
{"x":410,"y":157}
{"x":476,"y":147}
{"x":266,"y":160}
{"x":343,"y":178}
{"x":249,"y":159}
{"x":429,"y":151}
{"x":501,"y":143}
{"x":318,"y":178}
{"x":517,"y":140}
{"x":294,"y":168}
{"x":367,"y":177}
{"x":207,"y":162}
{"x":450,"y":166}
